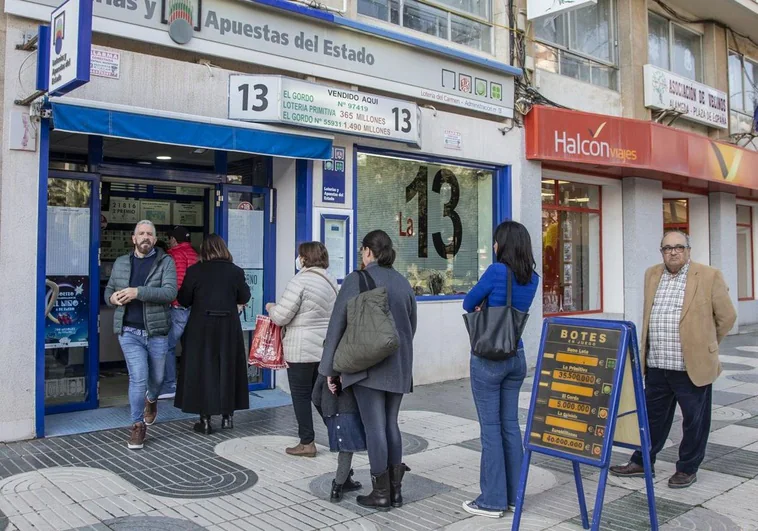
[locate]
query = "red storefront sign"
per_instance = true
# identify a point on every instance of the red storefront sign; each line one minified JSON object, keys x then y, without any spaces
{"x":622,"y":146}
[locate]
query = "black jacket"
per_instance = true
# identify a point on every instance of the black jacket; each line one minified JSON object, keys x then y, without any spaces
{"x":330,"y":404}
{"x":213,"y":374}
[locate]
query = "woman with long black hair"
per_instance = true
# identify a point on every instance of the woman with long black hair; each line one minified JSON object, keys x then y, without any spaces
{"x":496,"y":384}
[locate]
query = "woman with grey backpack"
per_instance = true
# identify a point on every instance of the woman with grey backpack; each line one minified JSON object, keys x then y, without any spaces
{"x":369,"y":348}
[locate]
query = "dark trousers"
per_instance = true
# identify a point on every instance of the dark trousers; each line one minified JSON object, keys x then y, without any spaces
{"x":302,"y":378}
{"x":663,"y":390}
{"x":379,"y":411}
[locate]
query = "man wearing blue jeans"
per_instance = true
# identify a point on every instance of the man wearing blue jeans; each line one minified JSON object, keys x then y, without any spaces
{"x":141,"y":288}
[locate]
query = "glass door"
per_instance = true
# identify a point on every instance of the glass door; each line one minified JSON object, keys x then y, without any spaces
{"x":244,"y":217}
{"x":72,"y":292}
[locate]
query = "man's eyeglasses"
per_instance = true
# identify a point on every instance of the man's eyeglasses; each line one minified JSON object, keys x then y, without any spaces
{"x":668,"y":249}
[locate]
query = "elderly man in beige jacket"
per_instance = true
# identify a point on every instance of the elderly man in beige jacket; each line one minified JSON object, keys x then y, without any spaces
{"x":687,"y":313}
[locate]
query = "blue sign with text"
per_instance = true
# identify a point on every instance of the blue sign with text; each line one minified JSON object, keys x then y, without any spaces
{"x":333,"y":188}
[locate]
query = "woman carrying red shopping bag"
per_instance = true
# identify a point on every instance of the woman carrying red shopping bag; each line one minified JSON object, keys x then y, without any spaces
{"x":304,"y":310}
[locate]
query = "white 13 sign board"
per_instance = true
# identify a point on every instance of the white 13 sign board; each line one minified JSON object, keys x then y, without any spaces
{"x":295,"y":102}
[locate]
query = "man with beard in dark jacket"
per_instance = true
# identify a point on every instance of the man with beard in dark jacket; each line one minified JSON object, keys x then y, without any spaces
{"x":141,"y":288}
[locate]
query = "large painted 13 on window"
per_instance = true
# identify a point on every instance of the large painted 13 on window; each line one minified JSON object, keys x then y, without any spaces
{"x":439,"y":217}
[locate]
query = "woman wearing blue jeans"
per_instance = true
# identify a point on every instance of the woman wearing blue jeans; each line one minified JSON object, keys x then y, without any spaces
{"x":496,"y":384}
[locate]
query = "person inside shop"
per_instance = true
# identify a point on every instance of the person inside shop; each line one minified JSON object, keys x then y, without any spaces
{"x":687,"y":312}
{"x":379,"y":389}
{"x":180,"y":249}
{"x":141,"y":288}
{"x":496,"y":384}
{"x":213,"y":376}
{"x":304,"y":310}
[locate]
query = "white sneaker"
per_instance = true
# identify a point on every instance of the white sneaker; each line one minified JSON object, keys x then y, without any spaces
{"x":472,"y":508}
{"x":166,"y":396}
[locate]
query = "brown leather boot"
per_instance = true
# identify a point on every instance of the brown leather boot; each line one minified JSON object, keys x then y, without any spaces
{"x":682,"y":480}
{"x":137,"y":436}
{"x":629,"y":470}
{"x":151,"y":411}
{"x":302,"y":450}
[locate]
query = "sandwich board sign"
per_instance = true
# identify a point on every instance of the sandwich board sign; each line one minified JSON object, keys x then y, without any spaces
{"x":587,"y":396}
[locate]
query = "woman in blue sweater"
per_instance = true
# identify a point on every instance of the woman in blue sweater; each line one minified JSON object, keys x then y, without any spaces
{"x":496,"y":384}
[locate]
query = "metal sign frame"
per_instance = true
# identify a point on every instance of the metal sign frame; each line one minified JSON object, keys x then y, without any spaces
{"x":627,"y":347}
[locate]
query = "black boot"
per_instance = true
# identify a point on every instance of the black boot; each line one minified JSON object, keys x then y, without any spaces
{"x":336,"y":495}
{"x":227,"y":422}
{"x":204,"y":426}
{"x":396,"y":483}
{"x":380,"y":496}
{"x":351,"y":485}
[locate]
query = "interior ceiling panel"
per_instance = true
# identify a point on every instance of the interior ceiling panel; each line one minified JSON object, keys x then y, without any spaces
{"x":137,"y":151}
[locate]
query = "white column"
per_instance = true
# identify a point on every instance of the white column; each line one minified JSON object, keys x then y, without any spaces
{"x":723,"y":218}
{"x":643,"y":228}
{"x":19,"y":178}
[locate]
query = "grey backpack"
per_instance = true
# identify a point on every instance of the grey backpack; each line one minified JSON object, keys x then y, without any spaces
{"x":370,"y":336}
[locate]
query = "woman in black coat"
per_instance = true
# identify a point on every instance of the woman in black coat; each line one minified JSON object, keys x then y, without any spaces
{"x":213,"y":376}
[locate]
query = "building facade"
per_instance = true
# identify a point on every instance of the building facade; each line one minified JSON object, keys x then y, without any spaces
{"x":658,"y":135}
{"x":274,"y":123}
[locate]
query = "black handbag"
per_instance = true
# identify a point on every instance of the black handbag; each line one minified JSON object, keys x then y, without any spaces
{"x":495,"y":331}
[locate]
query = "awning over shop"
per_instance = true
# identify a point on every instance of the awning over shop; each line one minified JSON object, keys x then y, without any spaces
{"x":623,"y":147}
{"x":149,"y":125}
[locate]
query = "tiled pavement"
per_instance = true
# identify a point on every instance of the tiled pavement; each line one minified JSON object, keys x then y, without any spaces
{"x":243,"y":480}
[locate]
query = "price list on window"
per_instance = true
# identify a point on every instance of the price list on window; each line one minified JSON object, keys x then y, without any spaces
{"x":574,"y":388}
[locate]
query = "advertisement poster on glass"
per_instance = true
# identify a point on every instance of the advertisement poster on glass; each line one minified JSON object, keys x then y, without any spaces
{"x":67,"y":311}
{"x":254,"y":307}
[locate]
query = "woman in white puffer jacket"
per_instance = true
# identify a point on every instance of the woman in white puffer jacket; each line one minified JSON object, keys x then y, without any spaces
{"x":303,"y":311}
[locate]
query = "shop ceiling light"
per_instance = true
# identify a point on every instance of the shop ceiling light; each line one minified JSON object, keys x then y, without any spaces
{"x":147,"y":162}
{"x":199,"y":151}
{"x":163,"y":157}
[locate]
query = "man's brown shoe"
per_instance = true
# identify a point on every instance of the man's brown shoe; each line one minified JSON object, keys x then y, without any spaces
{"x":137,"y":436}
{"x":680,"y":480}
{"x":302,"y":450}
{"x":629,"y":470}
{"x":151,"y":411}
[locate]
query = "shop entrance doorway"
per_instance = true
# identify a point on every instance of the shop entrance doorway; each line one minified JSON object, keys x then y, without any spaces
{"x":90,"y":219}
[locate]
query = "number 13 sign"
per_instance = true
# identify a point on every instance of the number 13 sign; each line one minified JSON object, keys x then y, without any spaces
{"x":296,"y":102}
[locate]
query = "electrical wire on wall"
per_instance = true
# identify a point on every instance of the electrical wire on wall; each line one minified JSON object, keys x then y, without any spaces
{"x":526,"y":95}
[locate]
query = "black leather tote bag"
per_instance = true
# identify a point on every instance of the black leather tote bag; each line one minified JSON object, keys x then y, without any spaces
{"x":494,"y":332}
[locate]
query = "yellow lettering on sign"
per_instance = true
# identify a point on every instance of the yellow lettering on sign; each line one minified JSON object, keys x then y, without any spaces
{"x":562,"y":441}
{"x":570,"y":376}
{"x":567,"y":405}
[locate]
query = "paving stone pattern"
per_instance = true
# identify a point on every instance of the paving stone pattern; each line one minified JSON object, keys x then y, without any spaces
{"x":241,"y":479}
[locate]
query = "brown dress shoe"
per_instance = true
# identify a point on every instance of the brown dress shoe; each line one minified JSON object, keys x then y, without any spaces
{"x":302,"y":450}
{"x":629,"y":470}
{"x":137,"y":436}
{"x":680,"y":480}
{"x":151,"y":411}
